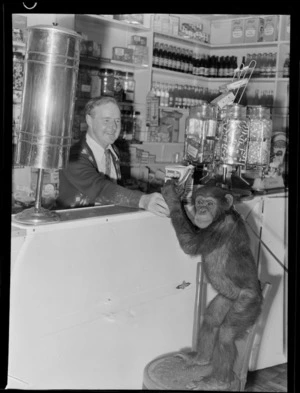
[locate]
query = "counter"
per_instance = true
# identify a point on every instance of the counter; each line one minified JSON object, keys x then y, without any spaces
{"x":94,"y":299}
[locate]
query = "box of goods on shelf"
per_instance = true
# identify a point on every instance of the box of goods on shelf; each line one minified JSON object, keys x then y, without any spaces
{"x":136,"y":19}
{"x":245,"y":30}
{"x":175,"y":26}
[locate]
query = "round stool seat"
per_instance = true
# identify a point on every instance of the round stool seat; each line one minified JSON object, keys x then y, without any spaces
{"x":168,"y":372}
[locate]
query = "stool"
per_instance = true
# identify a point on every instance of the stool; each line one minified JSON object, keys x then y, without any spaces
{"x":168,"y":372}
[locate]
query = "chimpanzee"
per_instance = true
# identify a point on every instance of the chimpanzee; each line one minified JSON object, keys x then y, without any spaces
{"x":219,"y":235}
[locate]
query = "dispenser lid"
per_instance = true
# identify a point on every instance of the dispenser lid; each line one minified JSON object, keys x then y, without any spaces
{"x":55,"y":28}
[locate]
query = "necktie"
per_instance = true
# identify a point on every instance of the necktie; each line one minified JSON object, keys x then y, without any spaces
{"x":107,"y":162}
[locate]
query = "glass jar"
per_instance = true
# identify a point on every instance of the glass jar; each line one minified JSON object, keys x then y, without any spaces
{"x":84,"y":82}
{"x":95,"y":82}
{"x":210,"y":137}
{"x":195,"y":133}
{"x":235,"y":136}
{"x":219,"y":133}
{"x":260,"y":133}
{"x":119,"y":77}
{"x":107,"y":82}
{"x":129,"y":87}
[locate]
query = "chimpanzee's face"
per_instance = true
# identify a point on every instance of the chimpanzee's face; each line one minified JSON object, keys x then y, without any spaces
{"x":210,"y":204}
{"x":206,"y":211}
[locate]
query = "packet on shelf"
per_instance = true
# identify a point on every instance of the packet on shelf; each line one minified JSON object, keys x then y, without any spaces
{"x":122,"y":54}
{"x":224,"y":99}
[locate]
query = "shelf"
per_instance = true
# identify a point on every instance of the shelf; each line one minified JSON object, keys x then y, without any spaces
{"x":171,"y":109}
{"x":193,"y":42}
{"x":177,"y":74}
{"x":148,"y":164}
{"x":101,"y":62}
{"x":157,"y":143}
{"x":98,"y":19}
{"x":190,"y":41}
{"x":244,"y":45}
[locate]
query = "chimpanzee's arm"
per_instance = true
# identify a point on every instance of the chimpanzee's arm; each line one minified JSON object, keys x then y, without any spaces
{"x":186,"y":232}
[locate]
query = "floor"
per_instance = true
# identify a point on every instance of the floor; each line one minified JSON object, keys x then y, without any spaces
{"x":272,"y":379}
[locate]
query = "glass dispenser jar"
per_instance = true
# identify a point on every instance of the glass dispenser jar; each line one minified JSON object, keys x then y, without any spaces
{"x":235,"y":136}
{"x":119,"y":77}
{"x":260,"y":133}
{"x":107,"y":81}
{"x":219,"y":133}
{"x":195,"y":133}
{"x":210,"y":137}
{"x":129,"y":87}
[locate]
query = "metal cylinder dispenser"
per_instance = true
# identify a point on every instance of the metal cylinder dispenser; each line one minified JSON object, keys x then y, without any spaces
{"x":45,"y":135}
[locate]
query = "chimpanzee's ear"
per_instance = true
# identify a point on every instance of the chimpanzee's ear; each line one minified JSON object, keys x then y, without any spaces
{"x":229,"y":199}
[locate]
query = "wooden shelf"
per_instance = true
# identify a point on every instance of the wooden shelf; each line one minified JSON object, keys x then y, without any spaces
{"x":185,"y":40}
{"x":102,"y":62}
{"x":91,"y":18}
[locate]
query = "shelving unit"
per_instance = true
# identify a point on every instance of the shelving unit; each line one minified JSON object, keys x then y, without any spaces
{"x":111,"y":33}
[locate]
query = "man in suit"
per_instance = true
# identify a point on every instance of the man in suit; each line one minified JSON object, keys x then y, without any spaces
{"x":93,"y":173}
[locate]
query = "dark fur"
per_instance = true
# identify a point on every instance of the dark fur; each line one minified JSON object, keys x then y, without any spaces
{"x":230,"y":268}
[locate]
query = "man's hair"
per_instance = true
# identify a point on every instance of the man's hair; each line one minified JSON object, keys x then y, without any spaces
{"x":98,"y":101}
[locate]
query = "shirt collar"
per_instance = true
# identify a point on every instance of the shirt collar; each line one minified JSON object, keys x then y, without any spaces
{"x":97,"y":149}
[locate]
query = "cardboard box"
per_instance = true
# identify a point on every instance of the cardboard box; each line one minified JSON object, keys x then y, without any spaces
{"x":237,"y":31}
{"x":174,"y":25}
{"x":254,"y":29}
{"x":138,"y":40}
{"x":122,"y":54}
{"x":271,"y":28}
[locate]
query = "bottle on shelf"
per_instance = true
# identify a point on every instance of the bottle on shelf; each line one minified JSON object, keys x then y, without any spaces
{"x":273,"y":64}
{"x":156,"y":55}
{"x":286,"y":66}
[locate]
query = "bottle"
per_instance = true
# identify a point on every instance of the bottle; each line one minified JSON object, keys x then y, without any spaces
{"x":269,"y":65}
{"x":221,"y":67}
{"x":286,"y":67}
{"x":202,"y":66}
{"x":273,"y":65}
{"x":173,"y":59}
{"x":178,"y":59}
{"x":155,"y":54}
{"x":137,"y":124}
{"x":159,"y":54}
{"x":171,"y":96}
{"x":162,"y":56}
{"x":166,"y":58}
{"x":206,"y":66}
{"x":243,"y":63}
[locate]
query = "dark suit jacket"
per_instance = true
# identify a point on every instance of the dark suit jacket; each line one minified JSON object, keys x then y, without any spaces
{"x":81,"y":184}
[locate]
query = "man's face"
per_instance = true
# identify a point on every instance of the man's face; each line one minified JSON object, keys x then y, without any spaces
{"x":104,"y":124}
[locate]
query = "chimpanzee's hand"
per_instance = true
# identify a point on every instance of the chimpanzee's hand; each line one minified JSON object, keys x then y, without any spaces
{"x":172,"y":193}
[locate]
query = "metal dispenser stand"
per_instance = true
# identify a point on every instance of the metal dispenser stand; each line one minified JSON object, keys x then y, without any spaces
{"x":45,"y":135}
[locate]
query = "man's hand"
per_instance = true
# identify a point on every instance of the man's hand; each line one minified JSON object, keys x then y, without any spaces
{"x":154,"y":203}
{"x":172,"y":193}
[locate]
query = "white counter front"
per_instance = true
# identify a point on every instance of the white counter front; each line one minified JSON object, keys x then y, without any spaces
{"x":93,"y":300}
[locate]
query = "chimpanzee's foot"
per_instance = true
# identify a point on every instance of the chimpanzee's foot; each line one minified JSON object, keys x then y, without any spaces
{"x":208,"y":383}
{"x":193,"y":358}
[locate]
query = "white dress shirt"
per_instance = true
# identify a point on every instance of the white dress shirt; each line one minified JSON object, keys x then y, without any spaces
{"x":99,"y":155}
